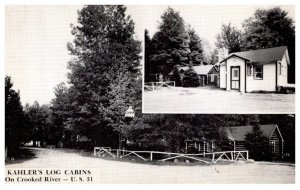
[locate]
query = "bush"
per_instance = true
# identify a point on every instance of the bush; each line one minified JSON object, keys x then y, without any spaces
{"x":190,"y":78}
{"x":285,"y":90}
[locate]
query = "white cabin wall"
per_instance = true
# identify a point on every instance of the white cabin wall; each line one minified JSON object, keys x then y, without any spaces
{"x":223,"y":75}
{"x":283,"y":78}
{"x":267,"y":83}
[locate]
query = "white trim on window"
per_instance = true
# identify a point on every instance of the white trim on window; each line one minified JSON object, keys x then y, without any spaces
{"x":258,"y":72}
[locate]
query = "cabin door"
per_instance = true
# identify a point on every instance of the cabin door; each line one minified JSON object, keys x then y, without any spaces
{"x":235,"y":78}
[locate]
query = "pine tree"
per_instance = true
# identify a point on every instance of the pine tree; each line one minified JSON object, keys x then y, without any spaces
{"x":60,"y":107}
{"x":257,"y":144}
{"x":195,"y":46}
{"x":148,"y":76}
{"x":106,"y":65}
{"x":170,"y":43}
{"x":14,"y":120}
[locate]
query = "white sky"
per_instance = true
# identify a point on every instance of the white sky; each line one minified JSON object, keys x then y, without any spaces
{"x":207,"y":19}
{"x":36,"y":36}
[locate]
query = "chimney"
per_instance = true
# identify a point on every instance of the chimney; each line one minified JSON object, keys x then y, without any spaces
{"x":222,"y":54}
{"x":219,"y":55}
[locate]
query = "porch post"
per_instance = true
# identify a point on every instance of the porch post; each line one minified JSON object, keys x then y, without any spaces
{"x":282,"y":146}
{"x":186,"y":146}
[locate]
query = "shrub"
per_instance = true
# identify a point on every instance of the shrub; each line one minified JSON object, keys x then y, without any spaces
{"x":190,"y":78}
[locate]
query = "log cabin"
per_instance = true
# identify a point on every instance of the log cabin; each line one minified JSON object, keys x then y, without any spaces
{"x":236,"y":141}
{"x":236,"y":136}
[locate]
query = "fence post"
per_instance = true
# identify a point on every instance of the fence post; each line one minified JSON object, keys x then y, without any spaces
{"x":247,"y":155}
{"x":151,"y":156}
{"x":213,"y":157}
{"x":117,"y":153}
{"x":95,"y":153}
{"x":231,"y":155}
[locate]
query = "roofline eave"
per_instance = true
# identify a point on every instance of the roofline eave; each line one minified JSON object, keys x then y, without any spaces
{"x":235,"y":56}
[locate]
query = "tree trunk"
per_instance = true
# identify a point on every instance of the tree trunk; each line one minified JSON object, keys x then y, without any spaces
{"x":6,"y":150}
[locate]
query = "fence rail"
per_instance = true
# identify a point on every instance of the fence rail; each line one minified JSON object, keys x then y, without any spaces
{"x":157,"y":85}
{"x":210,"y":157}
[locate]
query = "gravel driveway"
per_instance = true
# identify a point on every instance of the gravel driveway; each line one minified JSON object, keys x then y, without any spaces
{"x":215,"y":100}
{"x":106,"y":171}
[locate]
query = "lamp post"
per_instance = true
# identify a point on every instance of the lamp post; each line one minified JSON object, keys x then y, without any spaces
{"x":129,"y":115}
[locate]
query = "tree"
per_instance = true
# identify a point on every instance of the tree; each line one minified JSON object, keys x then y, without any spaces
{"x":190,"y":78}
{"x":148,"y":76}
{"x":271,"y":28}
{"x":58,"y":105}
{"x":195,"y":46}
{"x":257,"y":144}
{"x":230,"y":38}
{"x":14,"y":120}
{"x":286,"y":124}
{"x":168,"y":132}
{"x":210,"y":54}
{"x":176,"y":76}
{"x":39,"y":120}
{"x":170,"y":43}
{"x":61,"y":111}
{"x":105,"y":67}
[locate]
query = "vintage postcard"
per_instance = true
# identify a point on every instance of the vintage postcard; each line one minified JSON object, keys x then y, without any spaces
{"x":149,"y":94}
{"x":206,"y":59}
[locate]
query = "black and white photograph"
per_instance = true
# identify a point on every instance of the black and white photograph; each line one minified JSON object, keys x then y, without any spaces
{"x":149,"y":94}
{"x":220,"y":59}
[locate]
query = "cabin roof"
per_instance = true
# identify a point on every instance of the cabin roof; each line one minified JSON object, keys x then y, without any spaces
{"x":83,"y":139}
{"x":238,"y":133}
{"x":200,"y":69}
{"x":261,"y":56}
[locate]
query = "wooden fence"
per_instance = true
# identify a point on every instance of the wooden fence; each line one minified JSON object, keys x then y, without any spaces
{"x":157,"y":85}
{"x":211,"y":157}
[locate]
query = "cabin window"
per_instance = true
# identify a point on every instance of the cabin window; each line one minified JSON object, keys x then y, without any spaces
{"x":258,"y":72}
{"x":273,"y":147}
{"x":249,"y":70}
{"x":235,"y":73}
{"x":279,"y":68}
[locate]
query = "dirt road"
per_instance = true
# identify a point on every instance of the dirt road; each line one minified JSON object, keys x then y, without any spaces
{"x":106,"y":171}
{"x":212,"y":100}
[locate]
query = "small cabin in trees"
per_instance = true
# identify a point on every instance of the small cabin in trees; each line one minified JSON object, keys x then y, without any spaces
{"x":199,"y":146}
{"x":208,"y":74}
{"x":236,"y":136}
{"x":255,"y":70}
{"x":236,"y":141}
